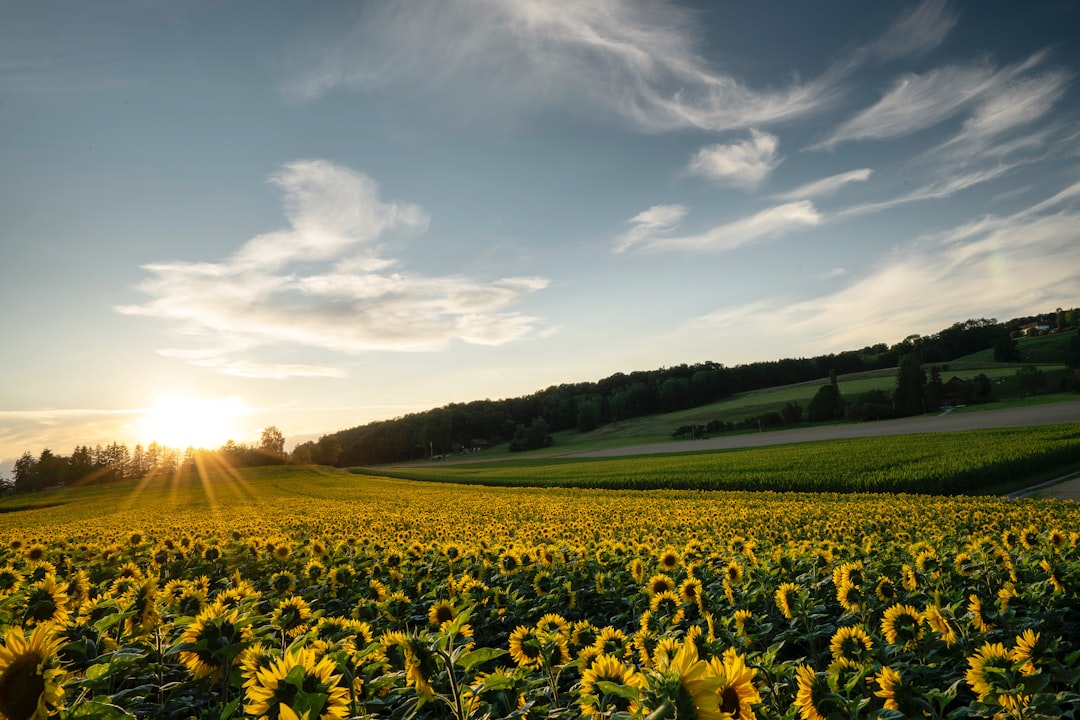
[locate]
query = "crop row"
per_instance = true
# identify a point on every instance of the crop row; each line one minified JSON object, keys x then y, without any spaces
{"x":936,"y":463}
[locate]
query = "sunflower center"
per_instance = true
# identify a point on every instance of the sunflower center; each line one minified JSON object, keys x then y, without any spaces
{"x":729,"y":700}
{"x":21,"y":687}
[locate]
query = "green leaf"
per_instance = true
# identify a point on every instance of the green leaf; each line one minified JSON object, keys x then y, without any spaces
{"x":497,"y":682}
{"x":623,"y":691}
{"x":310,"y":703}
{"x":296,"y":678}
{"x":96,"y":672}
{"x":481,"y":655}
{"x":95,"y":710}
{"x":228,"y":710}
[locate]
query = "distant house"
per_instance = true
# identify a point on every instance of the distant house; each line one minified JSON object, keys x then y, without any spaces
{"x":956,"y":392}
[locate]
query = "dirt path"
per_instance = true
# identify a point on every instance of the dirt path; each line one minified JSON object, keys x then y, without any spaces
{"x":1009,"y":417}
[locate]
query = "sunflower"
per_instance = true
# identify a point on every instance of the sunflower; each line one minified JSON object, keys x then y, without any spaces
{"x":897,"y":693}
{"x":278,"y":687}
{"x":978,"y":615}
{"x":35,"y":553}
{"x":885,"y":589}
{"x":612,"y":641}
{"x":282,"y":582}
{"x":410,"y":653}
{"x":31,"y":681}
{"x":666,"y":607}
{"x":396,"y":607}
{"x":849,"y":596}
{"x":46,"y":601}
{"x":1024,"y":651}
{"x":606,"y":668}
{"x":736,"y":691}
{"x":583,"y":634}
{"x":902,"y":625}
{"x":940,"y":624}
{"x":690,"y":590}
{"x":213,"y":640}
{"x":636,"y":568}
{"x":988,"y":663}
{"x":554,"y":624}
{"x":812,"y":696}
{"x":733,"y":573}
{"x":964,"y":564}
{"x":314,"y":570}
{"x":741,"y":620}
{"x":659,"y":583}
{"x":1029,"y":537}
{"x":852,"y":644}
{"x":440,"y":612}
{"x":669,"y":559}
{"x":143,"y":606}
{"x":784,"y":596}
{"x":525,"y":646}
{"x":691,"y":688}
{"x":291,"y":616}
{"x":10,"y":581}
{"x":252,"y":660}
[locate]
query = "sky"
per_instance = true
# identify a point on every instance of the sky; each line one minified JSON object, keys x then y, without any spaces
{"x":217,"y":217}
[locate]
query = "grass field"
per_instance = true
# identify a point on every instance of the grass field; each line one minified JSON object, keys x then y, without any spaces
{"x":276,"y":592}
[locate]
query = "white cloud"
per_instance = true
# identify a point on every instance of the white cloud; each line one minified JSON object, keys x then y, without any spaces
{"x":826,"y":186}
{"x":772,"y":222}
{"x":1016,"y":104}
{"x":745,"y":163}
{"x":639,"y":60}
{"x":935,"y":189}
{"x":657,"y":219}
{"x":325,"y":283}
{"x":916,"y":102}
{"x":921,"y":30}
{"x":995,"y":266}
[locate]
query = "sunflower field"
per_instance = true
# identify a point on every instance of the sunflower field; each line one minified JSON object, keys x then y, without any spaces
{"x":315,"y":593}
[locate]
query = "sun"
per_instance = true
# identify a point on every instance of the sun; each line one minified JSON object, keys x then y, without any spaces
{"x":182,"y":421}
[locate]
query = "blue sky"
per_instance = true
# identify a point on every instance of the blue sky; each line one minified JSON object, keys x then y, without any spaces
{"x":315,"y":215}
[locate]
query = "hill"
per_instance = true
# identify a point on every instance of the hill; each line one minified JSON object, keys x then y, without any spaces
{"x":983,"y":355}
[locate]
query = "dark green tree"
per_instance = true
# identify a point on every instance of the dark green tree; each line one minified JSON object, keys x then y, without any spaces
{"x":909,"y":396}
{"x":1006,"y":349}
{"x":826,"y":404}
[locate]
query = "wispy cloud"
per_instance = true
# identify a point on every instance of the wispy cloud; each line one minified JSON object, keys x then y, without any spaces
{"x":916,"y":102}
{"x":745,"y":163}
{"x":996,"y":265}
{"x":769,"y":223}
{"x":826,"y":187}
{"x":326,"y":282}
{"x":923,"y":29}
{"x":646,"y":224}
{"x":639,"y":60}
{"x":1016,"y":104}
{"x":934,"y":189}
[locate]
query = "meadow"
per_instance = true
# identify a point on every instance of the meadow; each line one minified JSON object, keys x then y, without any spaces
{"x":310,"y":592}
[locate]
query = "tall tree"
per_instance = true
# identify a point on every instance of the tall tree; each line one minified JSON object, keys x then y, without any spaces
{"x":908,"y":398}
{"x":272,"y":442}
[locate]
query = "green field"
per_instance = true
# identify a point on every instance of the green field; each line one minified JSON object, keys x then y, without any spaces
{"x":940,"y":463}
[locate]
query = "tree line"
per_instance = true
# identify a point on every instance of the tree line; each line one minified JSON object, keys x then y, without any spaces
{"x":115,"y":461}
